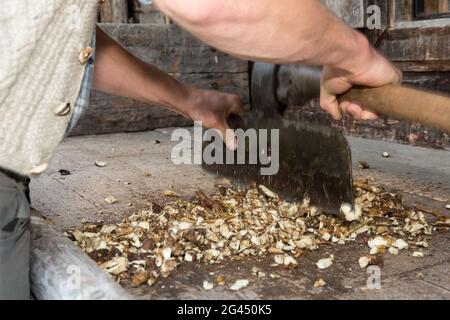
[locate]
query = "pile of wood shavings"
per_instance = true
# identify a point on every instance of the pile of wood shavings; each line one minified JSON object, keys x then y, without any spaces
{"x":235,"y":223}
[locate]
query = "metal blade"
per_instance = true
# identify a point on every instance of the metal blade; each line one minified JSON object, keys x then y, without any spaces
{"x":314,"y":162}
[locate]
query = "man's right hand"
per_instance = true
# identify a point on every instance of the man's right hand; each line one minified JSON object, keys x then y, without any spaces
{"x":375,"y":71}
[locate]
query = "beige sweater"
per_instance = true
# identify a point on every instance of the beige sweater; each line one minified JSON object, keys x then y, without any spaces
{"x":43,"y":52}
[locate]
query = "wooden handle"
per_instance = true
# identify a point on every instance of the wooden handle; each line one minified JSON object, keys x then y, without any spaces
{"x":403,"y":102}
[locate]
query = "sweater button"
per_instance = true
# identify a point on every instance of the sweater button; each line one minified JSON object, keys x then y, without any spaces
{"x":85,"y":55}
{"x":63,"y":109}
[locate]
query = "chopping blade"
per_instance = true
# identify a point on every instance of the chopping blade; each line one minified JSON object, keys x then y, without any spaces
{"x":314,"y":161}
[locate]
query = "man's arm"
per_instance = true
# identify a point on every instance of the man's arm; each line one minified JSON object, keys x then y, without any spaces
{"x":289,"y":31}
{"x":120,"y":73}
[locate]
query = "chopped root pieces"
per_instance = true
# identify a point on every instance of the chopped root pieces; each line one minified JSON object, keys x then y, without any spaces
{"x":319,"y":283}
{"x":220,"y":280}
{"x":110,"y":200}
{"x":208,"y":285}
{"x":364,"y":164}
{"x":324,"y":263}
{"x":364,"y":262}
{"x":351,"y":214}
{"x":170,"y":193}
{"x":268,"y":192}
{"x":235,"y":224}
{"x":240,"y":284}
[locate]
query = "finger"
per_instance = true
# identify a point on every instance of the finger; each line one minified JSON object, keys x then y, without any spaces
{"x":237,"y":107}
{"x":369,"y":115}
{"x":230,"y":139}
{"x":357,"y":112}
{"x":228,"y":136}
{"x":352,"y":109}
{"x":330,"y":104}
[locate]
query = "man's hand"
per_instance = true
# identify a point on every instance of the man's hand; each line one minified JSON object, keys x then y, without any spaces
{"x":213,"y":109}
{"x":119,"y":72}
{"x":375,"y":72}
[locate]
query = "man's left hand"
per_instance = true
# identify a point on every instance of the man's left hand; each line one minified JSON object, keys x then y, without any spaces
{"x":213,"y":108}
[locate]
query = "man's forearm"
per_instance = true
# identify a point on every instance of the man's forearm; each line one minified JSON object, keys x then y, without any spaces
{"x":120,"y":73}
{"x":281,"y":31}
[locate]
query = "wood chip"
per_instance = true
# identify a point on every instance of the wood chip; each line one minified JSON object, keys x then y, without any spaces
{"x":351,"y":213}
{"x":290,"y":262}
{"x":100,"y":164}
{"x":364,"y":164}
{"x":394,"y":251}
{"x":400,"y":244}
{"x":319,"y":283}
{"x":139,"y":278}
{"x":170,"y":193}
{"x":208,"y":285}
{"x":115,"y":266}
{"x":220,"y":280}
{"x":269,"y":193}
{"x":240,"y":284}
{"x":378,"y":241}
{"x":324,"y":263}
{"x":110,"y":200}
{"x":279,"y":259}
{"x":363,"y":262}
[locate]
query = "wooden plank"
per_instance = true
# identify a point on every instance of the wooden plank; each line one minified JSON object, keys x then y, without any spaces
{"x":172,"y":49}
{"x":147,"y":14}
{"x":431,"y":7}
{"x":109,"y":114}
{"x":401,"y":10}
{"x":437,"y":81}
{"x":114,"y":11}
{"x":435,"y":7}
{"x":350,"y":11}
{"x":444,"y":6}
{"x":374,"y":35}
{"x":423,"y":66}
{"x":419,"y":43}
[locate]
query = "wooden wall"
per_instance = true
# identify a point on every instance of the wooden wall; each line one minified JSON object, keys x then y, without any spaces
{"x":130,"y":11}
{"x":351,"y":11}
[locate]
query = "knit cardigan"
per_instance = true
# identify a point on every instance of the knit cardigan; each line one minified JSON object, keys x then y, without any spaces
{"x":44,"y":48}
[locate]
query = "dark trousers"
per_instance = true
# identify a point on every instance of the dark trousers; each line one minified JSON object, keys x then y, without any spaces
{"x":14,"y":237}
